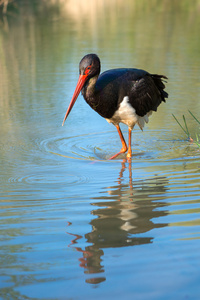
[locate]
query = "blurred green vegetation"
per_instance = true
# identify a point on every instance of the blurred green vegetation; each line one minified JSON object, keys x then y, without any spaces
{"x":7,"y":6}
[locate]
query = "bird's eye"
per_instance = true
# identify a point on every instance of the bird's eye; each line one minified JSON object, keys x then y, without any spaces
{"x":87,"y":70}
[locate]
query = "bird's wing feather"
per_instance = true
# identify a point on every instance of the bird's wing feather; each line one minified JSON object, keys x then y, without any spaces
{"x":115,"y":75}
{"x":147,"y":93}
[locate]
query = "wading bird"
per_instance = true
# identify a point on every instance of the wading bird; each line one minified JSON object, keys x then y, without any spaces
{"x":123,"y":95}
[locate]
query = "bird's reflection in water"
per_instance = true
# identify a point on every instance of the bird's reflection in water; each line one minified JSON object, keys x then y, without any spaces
{"x":120,"y":219}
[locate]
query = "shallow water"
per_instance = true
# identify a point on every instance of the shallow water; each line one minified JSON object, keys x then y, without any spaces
{"x":75,"y":225}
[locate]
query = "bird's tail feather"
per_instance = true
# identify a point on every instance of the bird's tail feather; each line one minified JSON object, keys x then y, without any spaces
{"x":158,"y":79}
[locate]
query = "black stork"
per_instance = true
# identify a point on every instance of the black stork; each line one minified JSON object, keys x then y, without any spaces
{"x":123,"y":95}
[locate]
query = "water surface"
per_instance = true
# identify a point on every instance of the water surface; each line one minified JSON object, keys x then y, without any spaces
{"x":75,"y":225}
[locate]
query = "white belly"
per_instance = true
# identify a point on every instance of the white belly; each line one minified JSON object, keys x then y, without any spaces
{"x":126,"y":114}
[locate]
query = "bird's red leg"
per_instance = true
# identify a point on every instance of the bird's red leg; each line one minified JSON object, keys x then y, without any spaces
{"x":124,"y":146}
{"x":129,"y":154}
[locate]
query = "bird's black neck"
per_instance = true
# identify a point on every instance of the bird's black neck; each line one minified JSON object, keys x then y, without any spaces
{"x":89,"y":90}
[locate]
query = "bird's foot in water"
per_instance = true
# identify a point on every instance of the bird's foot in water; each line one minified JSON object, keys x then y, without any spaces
{"x":129,"y":155}
{"x":123,"y":150}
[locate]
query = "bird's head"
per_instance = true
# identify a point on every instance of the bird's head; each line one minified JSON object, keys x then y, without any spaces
{"x":89,"y":67}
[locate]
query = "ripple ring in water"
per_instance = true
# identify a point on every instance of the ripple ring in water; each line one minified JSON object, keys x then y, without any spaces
{"x":76,"y":147}
{"x":50,"y":178}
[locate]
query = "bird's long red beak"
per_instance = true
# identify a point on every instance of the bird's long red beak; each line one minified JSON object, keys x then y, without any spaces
{"x":81,"y":81}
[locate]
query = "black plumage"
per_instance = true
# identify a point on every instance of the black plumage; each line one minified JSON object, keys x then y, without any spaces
{"x":138,"y":91}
